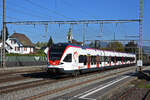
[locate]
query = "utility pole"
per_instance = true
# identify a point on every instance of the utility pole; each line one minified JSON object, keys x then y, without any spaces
{"x":3,"y":37}
{"x":140,"y":63}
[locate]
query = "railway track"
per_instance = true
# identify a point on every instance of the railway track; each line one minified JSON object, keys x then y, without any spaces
{"x":2,"y":74}
{"x":50,"y":92}
{"x":21,"y":86}
{"x":48,"y":80}
{"x":11,"y":77}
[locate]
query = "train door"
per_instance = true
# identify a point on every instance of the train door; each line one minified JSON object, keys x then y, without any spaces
{"x":122,"y":60}
{"x":115,"y":60}
{"x":88,"y":61}
{"x":110,"y":61}
{"x":125,"y":60}
{"x":75,"y":60}
{"x":97,"y":61}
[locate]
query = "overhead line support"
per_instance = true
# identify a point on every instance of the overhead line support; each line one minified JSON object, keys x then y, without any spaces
{"x":73,"y":22}
{"x":3,"y":57}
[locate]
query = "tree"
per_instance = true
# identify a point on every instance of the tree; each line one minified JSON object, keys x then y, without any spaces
{"x":95,"y":44}
{"x":131,"y":47}
{"x":115,"y":46}
{"x":91,"y":45}
{"x":50,"y":42}
{"x":37,"y":44}
{"x":7,"y":33}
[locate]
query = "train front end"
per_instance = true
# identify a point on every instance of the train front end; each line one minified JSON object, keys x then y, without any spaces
{"x":54,"y":56}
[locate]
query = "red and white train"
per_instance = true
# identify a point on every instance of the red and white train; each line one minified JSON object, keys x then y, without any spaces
{"x":70,"y":58}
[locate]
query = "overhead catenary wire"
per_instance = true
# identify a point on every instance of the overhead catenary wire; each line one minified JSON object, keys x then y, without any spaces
{"x":30,"y":9}
{"x":10,"y":17}
{"x":73,"y":22}
{"x":22,"y":12}
{"x":48,"y":9}
{"x":25,"y":13}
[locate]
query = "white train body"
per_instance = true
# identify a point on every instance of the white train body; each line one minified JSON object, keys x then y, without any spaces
{"x":67,"y":58}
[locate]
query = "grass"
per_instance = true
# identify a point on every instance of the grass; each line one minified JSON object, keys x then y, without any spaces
{"x":141,"y":83}
{"x":147,"y":86}
{"x":37,"y":54}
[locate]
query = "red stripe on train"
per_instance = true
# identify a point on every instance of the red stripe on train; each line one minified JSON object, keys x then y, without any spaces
{"x":56,"y":62}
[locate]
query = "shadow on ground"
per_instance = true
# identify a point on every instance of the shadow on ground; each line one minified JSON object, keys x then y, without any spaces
{"x":44,"y":75}
{"x":144,"y":75}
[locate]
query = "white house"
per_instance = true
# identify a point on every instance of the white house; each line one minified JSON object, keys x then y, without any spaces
{"x":19,"y":43}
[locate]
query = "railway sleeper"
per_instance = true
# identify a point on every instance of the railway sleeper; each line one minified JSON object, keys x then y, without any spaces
{"x":76,"y":73}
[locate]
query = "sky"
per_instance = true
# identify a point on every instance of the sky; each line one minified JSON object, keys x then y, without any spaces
{"x":64,"y":10}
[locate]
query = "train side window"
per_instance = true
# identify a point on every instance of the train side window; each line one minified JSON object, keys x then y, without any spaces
{"x":118,"y":58}
{"x":113,"y":59}
{"x":124,"y":59}
{"x":102,"y":59}
{"x":85,"y":60}
{"x":132,"y":59}
{"x":82,"y":59}
{"x":68,"y":58}
{"x":127,"y":59}
{"x":94,"y":60}
{"x":98,"y":59}
{"x":106,"y":59}
{"x":110,"y":58}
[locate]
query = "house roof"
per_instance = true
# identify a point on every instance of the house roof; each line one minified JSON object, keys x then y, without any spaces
{"x":23,"y":39}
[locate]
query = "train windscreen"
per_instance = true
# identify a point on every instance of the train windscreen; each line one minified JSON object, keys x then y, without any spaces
{"x":56,"y":52}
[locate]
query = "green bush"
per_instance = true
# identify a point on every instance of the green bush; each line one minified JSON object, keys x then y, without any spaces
{"x":32,"y":54}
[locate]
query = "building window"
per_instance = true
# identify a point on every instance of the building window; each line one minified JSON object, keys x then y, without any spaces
{"x":14,"y":41}
{"x":25,"y":49}
{"x":30,"y":49}
{"x":15,"y":48}
{"x":18,"y":49}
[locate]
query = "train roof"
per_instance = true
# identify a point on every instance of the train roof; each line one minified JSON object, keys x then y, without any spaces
{"x":86,"y":47}
{"x":67,"y":44}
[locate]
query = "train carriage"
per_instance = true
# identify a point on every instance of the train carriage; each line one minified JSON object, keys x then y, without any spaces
{"x":70,"y":58}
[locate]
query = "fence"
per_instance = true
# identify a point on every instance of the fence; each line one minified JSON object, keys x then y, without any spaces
{"x":25,"y":60}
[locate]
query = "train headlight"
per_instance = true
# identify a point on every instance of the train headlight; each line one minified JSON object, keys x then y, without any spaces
{"x":61,"y":63}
